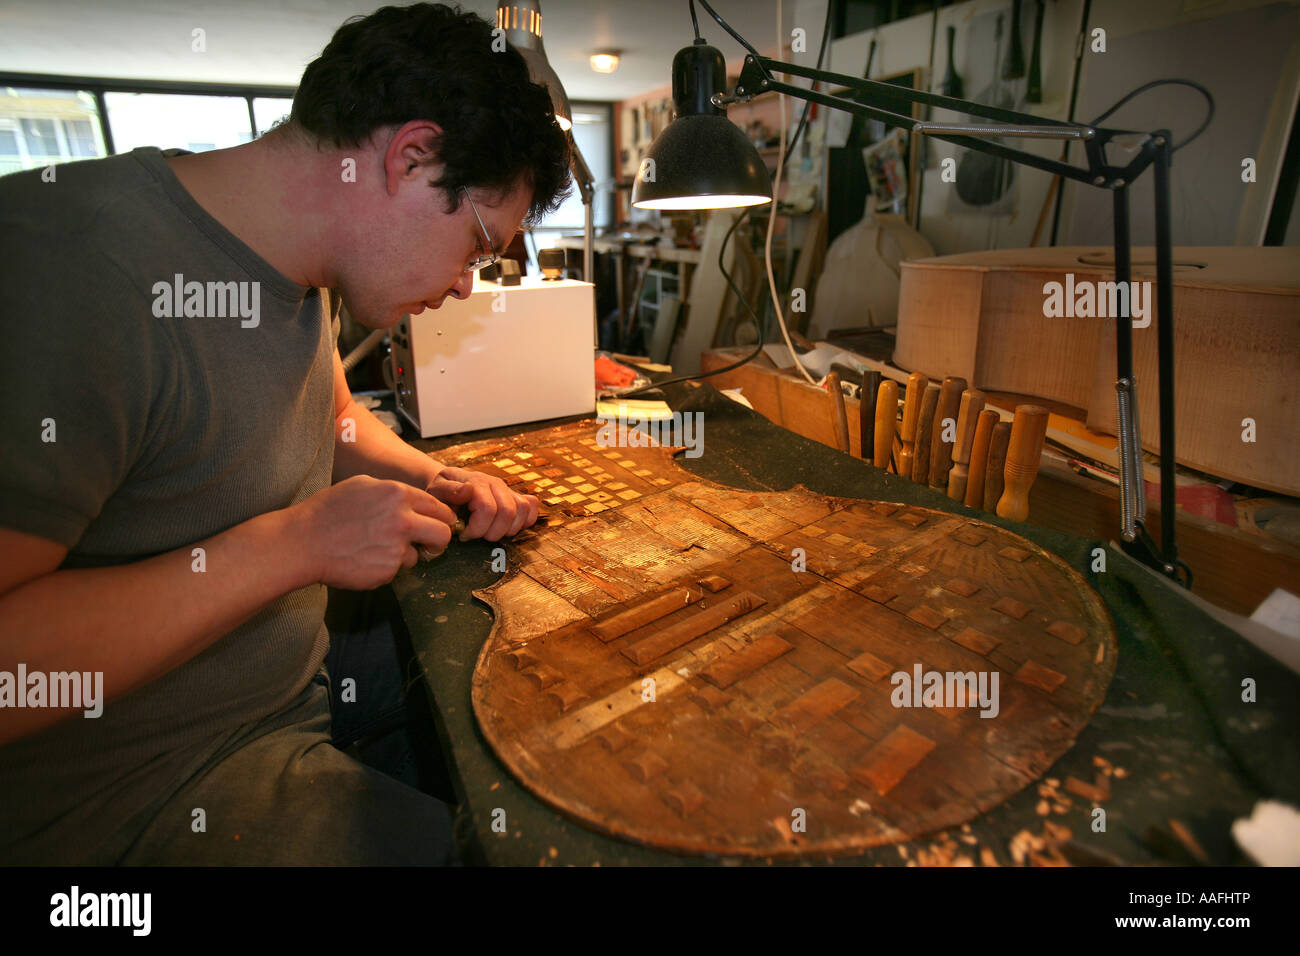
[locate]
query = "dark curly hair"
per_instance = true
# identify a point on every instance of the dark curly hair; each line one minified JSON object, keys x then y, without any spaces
{"x":435,"y":62}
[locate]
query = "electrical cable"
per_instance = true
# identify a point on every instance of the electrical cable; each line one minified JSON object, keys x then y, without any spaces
{"x":1173,"y":81}
{"x":785,"y":157}
{"x":727,"y":26}
{"x":771,"y":230}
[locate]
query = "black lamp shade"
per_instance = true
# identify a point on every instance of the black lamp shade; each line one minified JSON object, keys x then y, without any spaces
{"x":701,"y":160}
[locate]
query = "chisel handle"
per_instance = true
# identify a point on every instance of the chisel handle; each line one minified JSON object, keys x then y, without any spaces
{"x":916,"y":384}
{"x":972,"y":403}
{"x":940,"y":450}
{"x":886,"y":419}
{"x":867,"y":414}
{"x":924,"y":426}
{"x":979,"y":458}
{"x":839,"y":412}
{"x":1028,"y":431}
{"x":998,"y":442}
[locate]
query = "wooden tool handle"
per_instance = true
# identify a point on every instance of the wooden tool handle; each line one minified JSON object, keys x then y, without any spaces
{"x":886,"y":417}
{"x":1023,"y":455}
{"x":940,"y":450}
{"x":840,"y":413}
{"x":924,"y":425}
{"x":972,"y":403}
{"x":867,"y":413}
{"x":998,"y":442}
{"x":916,"y":385}
{"x":979,"y":458}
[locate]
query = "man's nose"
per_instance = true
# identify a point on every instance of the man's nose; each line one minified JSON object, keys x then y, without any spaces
{"x":464,"y":285}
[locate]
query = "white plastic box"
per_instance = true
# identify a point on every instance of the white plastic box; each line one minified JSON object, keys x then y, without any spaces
{"x":505,"y":355}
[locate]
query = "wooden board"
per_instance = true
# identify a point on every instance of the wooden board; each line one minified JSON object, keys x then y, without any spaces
{"x":771,"y":730}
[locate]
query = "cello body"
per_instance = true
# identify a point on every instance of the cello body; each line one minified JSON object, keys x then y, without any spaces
{"x":991,"y":318}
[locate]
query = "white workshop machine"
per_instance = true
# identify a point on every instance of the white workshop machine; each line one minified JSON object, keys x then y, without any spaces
{"x":502,"y":356}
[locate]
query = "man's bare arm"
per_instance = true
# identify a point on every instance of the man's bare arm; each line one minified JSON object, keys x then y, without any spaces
{"x":363,"y":445}
{"x":134,"y":622}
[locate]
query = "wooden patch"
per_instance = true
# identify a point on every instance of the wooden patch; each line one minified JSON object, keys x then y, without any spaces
{"x":683,"y":632}
{"x":710,"y":698}
{"x":1070,"y":633}
{"x":567,"y":695}
{"x":744,"y":722}
{"x":891,"y":759}
{"x":976,"y":641}
{"x":685,"y":798}
{"x":1039,"y":676}
{"x":927,"y":616}
{"x":1012,"y":608}
{"x":807,"y":711}
{"x":523,"y":658}
{"x":962,"y":586}
{"x":646,"y":766}
{"x":878,"y":594}
{"x":731,"y":668}
{"x":870,"y":666}
{"x":542,"y":677}
{"x":614,"y":738}
{"x":630,"y":619}
{"x":1018,"y":555}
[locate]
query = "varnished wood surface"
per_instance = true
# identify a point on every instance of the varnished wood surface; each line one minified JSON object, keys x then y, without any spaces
{"x":772,"y":688}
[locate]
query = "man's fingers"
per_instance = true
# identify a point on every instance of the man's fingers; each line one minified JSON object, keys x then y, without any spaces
{"x":525,"y":513}
{"x":422,"y":502}
{"x":506,"y":510}
{"x":430,"y":535}
{"x":483,"y":509}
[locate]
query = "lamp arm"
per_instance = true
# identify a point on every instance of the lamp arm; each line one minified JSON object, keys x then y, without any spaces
{"x":757,"y":77}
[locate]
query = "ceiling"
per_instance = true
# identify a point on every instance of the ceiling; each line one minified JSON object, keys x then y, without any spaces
{"x":270,"y":41}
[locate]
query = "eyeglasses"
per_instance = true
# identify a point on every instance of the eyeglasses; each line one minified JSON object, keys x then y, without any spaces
{"x":487,"y":256}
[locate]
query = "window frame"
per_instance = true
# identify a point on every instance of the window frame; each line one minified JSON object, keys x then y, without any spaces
{"x":98,"y":86}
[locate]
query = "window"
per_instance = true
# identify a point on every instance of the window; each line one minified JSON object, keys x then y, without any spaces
{"x":41,"y":127}
{"x":169,"y":120}
{"x":81,"y":138}
{"x":267,"y":112}
{"x":592,"y":131}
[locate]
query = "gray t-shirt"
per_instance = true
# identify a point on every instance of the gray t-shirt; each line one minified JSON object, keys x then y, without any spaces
{"x":177,"y":411}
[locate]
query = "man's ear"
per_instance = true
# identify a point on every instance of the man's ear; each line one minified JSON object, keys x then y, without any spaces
{"x":410,"y":151}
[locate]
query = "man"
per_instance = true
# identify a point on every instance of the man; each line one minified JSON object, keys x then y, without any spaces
{"x":176,"y":410}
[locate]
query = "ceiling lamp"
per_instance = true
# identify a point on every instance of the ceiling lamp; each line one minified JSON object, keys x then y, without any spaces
{"x":606,"y":61}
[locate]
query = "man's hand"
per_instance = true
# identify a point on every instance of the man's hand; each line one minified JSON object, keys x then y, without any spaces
{"x":496,"y":511}
{"x":363,"y":530}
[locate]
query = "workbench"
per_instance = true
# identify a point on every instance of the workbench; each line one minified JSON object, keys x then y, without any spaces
{"x":1182,"y":754}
